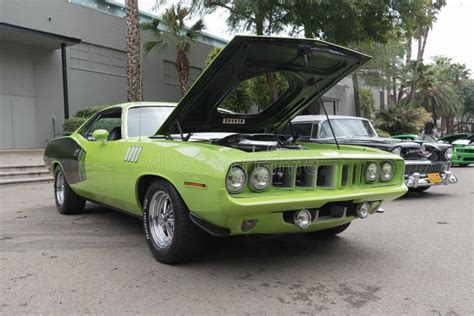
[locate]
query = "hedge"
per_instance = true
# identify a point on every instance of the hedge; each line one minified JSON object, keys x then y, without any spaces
{"x":89,"y":111}
{"x":73,"y":123}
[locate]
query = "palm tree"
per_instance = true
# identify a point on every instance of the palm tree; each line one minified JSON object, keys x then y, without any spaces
{"x":134,"y":81}
{"x":176,"y":33}
{"x":436,"y":93}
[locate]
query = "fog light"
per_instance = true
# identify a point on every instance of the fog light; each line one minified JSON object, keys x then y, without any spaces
{"x":363,"y":210}
{"x":302,"y":219}
{"x":248,"y":224}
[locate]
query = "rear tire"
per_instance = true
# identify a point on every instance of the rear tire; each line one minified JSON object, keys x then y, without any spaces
{"x":330,"y":232}
{"x":67,"y":202}
{"x":171,"y":235}
{"x":418,"y":190}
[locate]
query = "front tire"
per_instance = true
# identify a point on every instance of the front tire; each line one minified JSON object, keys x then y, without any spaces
{"x":170,"y":234}
{"x":67,"y":202}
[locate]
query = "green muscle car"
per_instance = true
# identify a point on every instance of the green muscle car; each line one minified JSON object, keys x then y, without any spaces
{"x":463,"y":143}
{"x":193,"y":169}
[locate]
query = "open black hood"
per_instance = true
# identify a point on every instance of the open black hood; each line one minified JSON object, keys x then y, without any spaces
{"x":245,"y":57}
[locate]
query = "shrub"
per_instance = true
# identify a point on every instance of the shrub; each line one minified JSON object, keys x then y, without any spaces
{"x":89,"y":111}
{"x":401,"y":118}
{"x":73,"y":123}
{"x":367,"y":103}
{"x":383,"y":133}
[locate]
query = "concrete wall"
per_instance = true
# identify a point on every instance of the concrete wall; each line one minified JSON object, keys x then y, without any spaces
{"x":96,"y":68}
{"x":30,"y":95}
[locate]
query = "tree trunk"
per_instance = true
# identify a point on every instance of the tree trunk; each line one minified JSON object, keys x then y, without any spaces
{"x":422,"y":38}
{"x":134,"y":80}
{"x":182,"y":66}
{"x":355,"y":84}
{"x":408,"y":48}
{"x":307,"y":31}
{"x":271,"y":82}
{"x":407,"y":62}
{"x":394,"y":87}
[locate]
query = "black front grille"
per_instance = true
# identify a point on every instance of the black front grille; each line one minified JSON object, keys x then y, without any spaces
{"x":469,"y":151}
{"x":434,"y":167}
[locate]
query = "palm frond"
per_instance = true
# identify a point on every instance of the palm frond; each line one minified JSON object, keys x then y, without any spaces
{"x":159,"y":44}
{"x":194,"y":30}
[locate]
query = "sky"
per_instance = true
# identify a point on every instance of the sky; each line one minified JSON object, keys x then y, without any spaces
{"x":452,"y":34}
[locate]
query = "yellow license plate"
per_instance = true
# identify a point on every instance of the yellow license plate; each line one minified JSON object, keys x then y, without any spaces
{"x":434,"y":177}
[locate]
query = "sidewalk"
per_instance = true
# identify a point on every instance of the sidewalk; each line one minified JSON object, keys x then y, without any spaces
{"x":20,"y":157}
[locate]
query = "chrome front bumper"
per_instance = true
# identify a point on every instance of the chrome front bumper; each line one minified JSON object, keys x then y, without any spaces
{"x":416,"y":180}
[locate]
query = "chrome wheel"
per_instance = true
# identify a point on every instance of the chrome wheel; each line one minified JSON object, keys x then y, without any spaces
{"x":59,"y":188}
{"x":161,"y":219}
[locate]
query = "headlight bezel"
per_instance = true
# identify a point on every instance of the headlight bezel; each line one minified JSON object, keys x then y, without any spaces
{"x":392,"y":174}
{"x":448,"y":154}
{"x":244,"y":184}
{"x":370,"y":163}
{"x":255,"y":169}
{"x":397,"y":151}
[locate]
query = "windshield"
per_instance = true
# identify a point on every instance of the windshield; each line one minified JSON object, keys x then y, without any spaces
{"x":152,"y":117}
{"x":347,"y":128}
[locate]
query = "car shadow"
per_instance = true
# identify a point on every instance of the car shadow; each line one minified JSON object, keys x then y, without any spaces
{"x":424,"y":195}
{"x":254,"y":250}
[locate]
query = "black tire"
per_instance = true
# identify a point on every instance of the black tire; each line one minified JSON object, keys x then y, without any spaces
{"x":186,"y":240}
{"x":71,"y":203}
{"x":419,"y":189}
{"x":332,"y":231}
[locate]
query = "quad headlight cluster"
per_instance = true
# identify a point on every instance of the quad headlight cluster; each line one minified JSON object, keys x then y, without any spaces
{"x":448,"y":154}
{"x":236,"y":179}
{"x":259,"y":180}
{"x":374,"y":171}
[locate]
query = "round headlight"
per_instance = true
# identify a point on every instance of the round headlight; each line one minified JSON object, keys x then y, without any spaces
{"x":260,"y":178}
{"x":448,"y":154}
{"x":236,"y":179}
{"x":386,"y":171}
{"x":371,"y":172}
{"x":396,"y":151}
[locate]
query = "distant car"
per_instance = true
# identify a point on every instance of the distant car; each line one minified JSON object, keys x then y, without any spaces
{"x":463,"y":154}
{"x":168,"y":165}
{"x":426,"y":164}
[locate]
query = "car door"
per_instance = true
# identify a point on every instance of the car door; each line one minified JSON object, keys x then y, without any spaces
{"x":102,"y":162}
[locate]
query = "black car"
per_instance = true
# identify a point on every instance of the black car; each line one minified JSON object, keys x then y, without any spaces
{"x":426,"y":164}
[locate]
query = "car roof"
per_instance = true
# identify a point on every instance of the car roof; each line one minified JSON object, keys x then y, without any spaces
{"x":137,"y":104}
{"x":312,"y":118}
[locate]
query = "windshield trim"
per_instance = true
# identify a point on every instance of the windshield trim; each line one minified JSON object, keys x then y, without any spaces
{"x":320,"y":125}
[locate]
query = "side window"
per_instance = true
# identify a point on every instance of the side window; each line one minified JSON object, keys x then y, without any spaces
{"x":111,"y":122}
{"x":303,"y":130}
{"x":325,"y":131}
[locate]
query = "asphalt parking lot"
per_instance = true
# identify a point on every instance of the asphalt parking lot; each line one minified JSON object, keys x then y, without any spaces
{"x":416,"y":258}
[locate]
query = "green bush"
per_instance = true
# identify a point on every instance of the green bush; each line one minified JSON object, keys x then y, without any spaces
{"x":382,"y":133}
{"x":367,"y":103}
{"x":89,"y":111}
{"x":401,"y":118}
{"x":73,"y":123}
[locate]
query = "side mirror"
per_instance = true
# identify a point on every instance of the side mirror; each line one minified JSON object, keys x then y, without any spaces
{"x":101,"y":135}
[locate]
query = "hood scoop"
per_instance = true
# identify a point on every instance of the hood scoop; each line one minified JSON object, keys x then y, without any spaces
{"x":257,"y":142}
